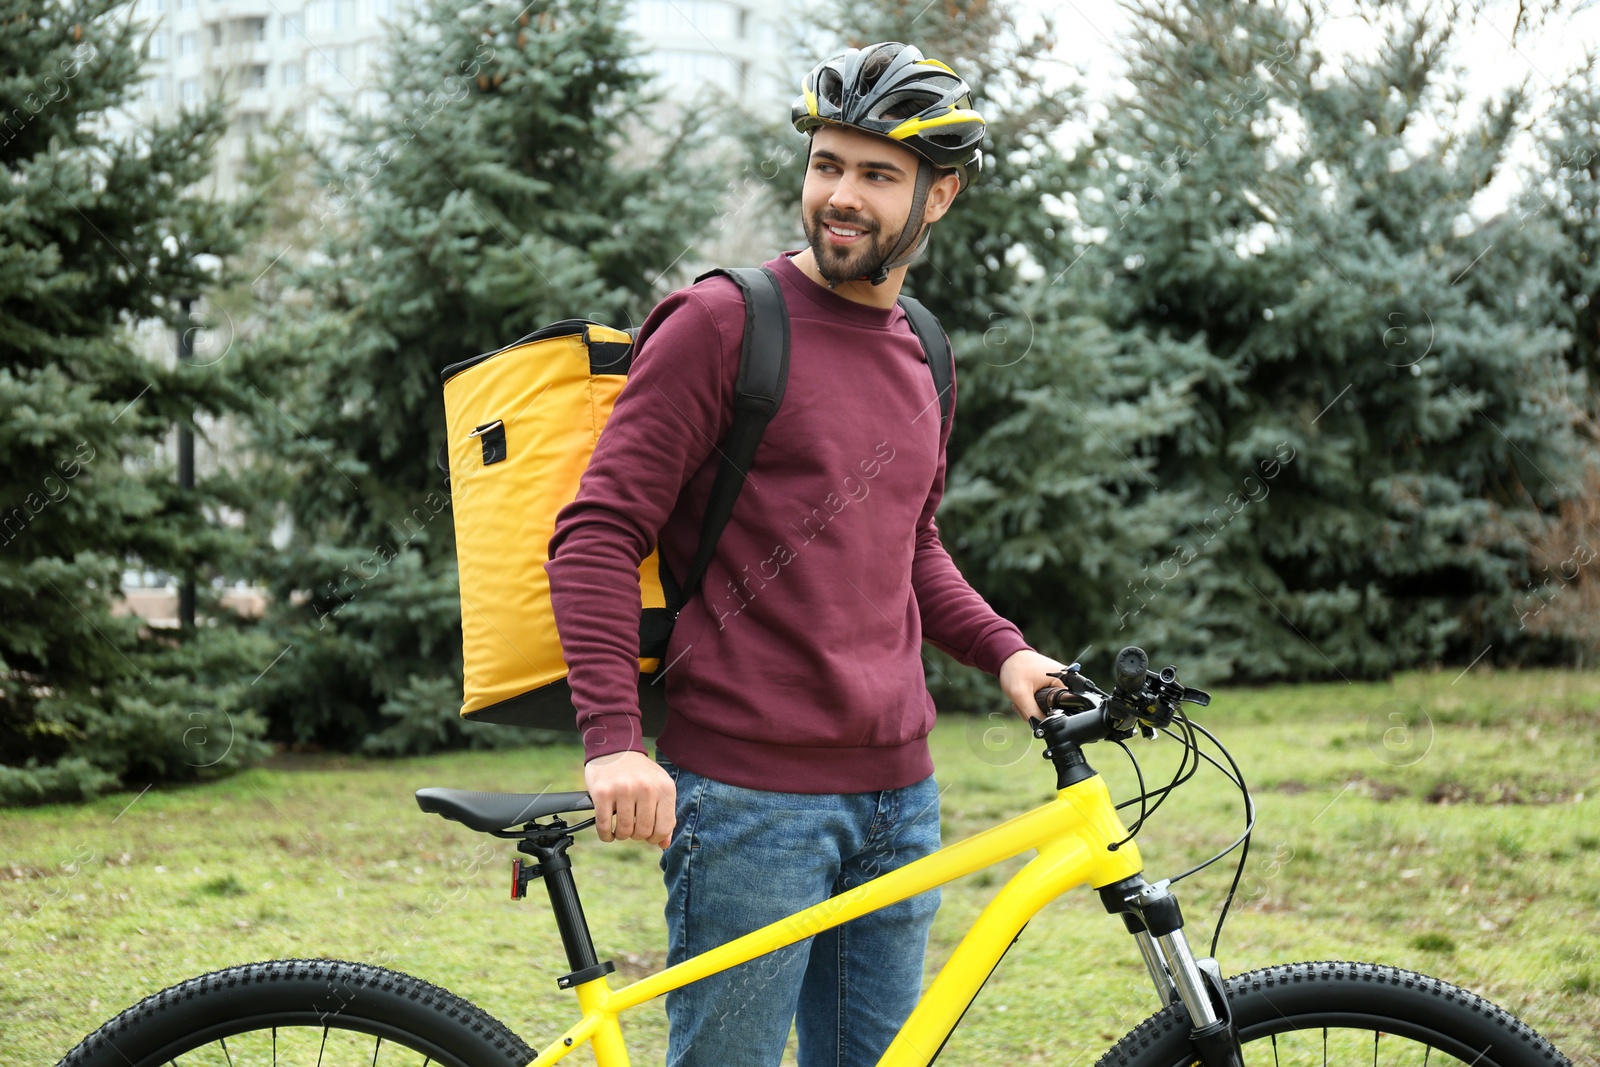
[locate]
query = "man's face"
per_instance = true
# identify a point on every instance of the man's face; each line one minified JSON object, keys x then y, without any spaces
{"x":855,"y":200}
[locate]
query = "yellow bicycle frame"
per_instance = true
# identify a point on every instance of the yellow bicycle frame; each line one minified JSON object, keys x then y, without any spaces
{"x":1071,"y":834}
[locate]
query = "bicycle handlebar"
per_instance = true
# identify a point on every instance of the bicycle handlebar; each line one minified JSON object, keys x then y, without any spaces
{"x":1141,"y":700}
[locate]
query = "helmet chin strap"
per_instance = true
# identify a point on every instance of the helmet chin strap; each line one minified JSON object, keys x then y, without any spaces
{"x":899,"y":255}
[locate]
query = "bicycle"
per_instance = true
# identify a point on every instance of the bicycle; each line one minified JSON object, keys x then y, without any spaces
{"x":286,"y":1010}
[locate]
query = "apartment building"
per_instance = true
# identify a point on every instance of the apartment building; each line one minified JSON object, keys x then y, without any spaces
{"x":297,"y":58}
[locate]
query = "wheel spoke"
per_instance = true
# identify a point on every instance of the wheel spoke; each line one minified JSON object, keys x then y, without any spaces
{"x":274,"y":1046}
{"x":1275,"y":1050}
{"x":324,"y":1046}
{"x":225,"y":1054}
{"x":375,"y":1045}
{"x":1376,"y":1034}
{"x":1324,"y":1048}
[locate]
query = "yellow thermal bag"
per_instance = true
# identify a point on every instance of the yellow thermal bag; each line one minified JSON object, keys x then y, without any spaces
{"x":512,"y":468}
{"x":523,"y":422}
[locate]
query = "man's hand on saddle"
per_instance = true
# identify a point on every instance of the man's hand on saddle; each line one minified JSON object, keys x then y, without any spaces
{"x":634,"y":798}
{"x":1023,"y":674}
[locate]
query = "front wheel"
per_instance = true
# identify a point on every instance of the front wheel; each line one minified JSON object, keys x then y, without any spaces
{"x":302,"y":1012}
{"x":1304,"y":1014}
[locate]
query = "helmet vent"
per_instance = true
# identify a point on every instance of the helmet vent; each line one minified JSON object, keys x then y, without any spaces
{"x":873,"y":68}
{"x":830,"y":87}
{"x":903,"y":105}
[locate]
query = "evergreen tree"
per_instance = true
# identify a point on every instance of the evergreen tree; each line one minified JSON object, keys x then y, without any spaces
{"x":98,"y":232}
{"x":1383,"y":416}
{"x":1565,"y":192}
{"x":501,"y":187}
{"x":1561,"y":599}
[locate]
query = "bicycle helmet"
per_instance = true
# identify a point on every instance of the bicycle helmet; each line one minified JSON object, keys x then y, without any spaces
{"x":892,"y":91}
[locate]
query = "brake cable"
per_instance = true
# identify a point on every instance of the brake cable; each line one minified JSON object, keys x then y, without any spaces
{"x":1242,"y":842}
{"x":1186,"y":770}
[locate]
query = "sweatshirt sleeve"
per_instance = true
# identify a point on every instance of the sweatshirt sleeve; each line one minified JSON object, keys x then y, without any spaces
{"x":955,"y":619}
{"x":660,"y":431}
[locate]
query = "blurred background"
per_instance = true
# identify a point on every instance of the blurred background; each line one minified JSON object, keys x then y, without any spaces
{"x":1273,"y":324}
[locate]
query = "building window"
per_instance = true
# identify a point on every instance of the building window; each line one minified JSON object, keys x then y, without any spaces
{"x":156,"y":91}
{"x":189,"y":91}
{"x":316,"y":20}
{"x":692,"y":70}
{"x":215,"y":29}
{"x":330,"y":65}
{"x":292,"y":74}
{"x":254,"y":76}
{"x":187,"y":5}
{"x":252,"y":29}
{"x":188,"y":44}
{"x":714,"y":18}
{"x":160,"y":44}
{"x":294,"y":25}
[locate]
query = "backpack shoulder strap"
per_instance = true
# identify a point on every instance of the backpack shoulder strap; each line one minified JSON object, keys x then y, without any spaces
{"x":941,"y":361}
{"x":763,"y":373}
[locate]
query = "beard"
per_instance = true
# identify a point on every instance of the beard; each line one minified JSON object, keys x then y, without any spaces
{"x":840,"y":265}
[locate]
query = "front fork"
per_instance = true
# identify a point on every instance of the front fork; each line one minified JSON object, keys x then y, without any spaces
{"x":1151,"y":914}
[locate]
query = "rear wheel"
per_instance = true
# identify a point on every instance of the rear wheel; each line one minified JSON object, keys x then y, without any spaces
{"x":1315,"y":1014}
{"x":302,"y":1012}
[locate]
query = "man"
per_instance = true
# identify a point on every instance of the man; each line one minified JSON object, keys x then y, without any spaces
{"x":794,"y":763}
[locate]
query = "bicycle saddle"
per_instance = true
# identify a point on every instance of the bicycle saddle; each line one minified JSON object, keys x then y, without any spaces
{"x":498,"y":811}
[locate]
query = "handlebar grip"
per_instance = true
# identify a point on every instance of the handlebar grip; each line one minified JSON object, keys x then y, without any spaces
{"x":1055,"y":698}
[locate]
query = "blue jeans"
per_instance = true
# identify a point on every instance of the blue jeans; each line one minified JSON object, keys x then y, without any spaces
{"x":743,"y":858}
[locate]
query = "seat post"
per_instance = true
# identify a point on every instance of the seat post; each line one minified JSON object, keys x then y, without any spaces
{"x":550,"y":849}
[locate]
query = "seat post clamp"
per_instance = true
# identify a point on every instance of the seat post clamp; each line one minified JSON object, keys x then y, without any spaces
{"x":588,"y":974}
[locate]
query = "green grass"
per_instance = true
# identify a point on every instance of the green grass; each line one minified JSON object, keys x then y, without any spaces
{"x":1445,"y":826}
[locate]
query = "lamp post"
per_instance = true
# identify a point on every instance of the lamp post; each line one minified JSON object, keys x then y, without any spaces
{"x":185,"y":463}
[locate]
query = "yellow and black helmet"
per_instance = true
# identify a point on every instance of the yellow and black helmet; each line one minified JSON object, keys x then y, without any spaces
{"x":891,"y":90}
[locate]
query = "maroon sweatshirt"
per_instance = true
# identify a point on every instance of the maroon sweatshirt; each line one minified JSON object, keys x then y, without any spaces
{"x":798,"y":666}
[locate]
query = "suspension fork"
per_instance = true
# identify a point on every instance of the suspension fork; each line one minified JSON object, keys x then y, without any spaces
{"x":1151,"y":914}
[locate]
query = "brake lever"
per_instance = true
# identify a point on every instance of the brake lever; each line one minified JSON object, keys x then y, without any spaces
{"x":1072,"y":677}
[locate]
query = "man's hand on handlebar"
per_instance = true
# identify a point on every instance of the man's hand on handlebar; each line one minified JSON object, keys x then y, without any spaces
{"x":1023,"y":674}
{"x":634,"y":798}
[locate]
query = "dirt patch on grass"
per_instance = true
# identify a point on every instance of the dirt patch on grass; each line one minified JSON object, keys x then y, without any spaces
{"x":1450,"y":792}
{"x":1360,"y":785}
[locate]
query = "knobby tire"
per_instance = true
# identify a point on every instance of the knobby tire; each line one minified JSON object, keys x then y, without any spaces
{"x":328,"y":1008}
{"x":1287,"y":1014}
